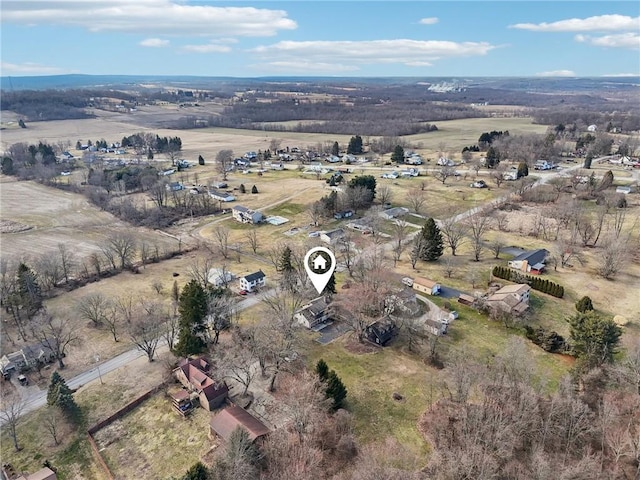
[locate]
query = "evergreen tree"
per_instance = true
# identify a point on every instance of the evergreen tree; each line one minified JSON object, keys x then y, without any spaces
{"x":432,"y":238}
{"x":149,"y":154}
{"x":243,"y":189}
{"x":523,"y":169}
{"x":355,"y":145}
{"x":59,"y":394}
{"x":200,"y":160}
{"x":254,"y":189}
{"x":335,"y":149}
{"x":7,"y":166}
{"x":287,"y":269}
{"x":398,"y":154}
{"x":29,"y":292}
{"x":594,"y":338}
{"x":197,"y":472}
{"x":192,"y":307}
{"x":21,"y":123}
{"x":322,"y":369}
{"x":493,"y":157}
{"x":330,"y":288}
{"x":367,"y":181}
{"x":336,"y":390}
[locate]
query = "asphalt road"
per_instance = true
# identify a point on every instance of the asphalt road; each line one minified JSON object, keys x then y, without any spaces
{"x":35,"y":398}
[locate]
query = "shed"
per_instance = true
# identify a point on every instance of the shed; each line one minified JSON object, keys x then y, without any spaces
{"x":466,"y":299}
{"x":226,"y":421}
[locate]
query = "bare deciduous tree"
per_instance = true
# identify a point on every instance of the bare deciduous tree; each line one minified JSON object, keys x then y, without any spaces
{"x":95,"y":308}
{"x":384,"y":194}
{"x":454,"y":233}
{"x":416,"y":200}
{"x":237,"y":363}
{"x":252,"y":239}
{"x":224,"y":160}
{"x":478,"y":225}
{"x":120,"y":246}
{"x":145,"y":331}
{"x":53,"y":420}
{"x":56,"y":334}
{"x":496,"y":246}
{"x":450,"y":265}
{"x":612,"y":258}
{"x":12,"y":407}
{"x":400,"y":232}
{"x":221,"y":240}
{"x":444,"y":172}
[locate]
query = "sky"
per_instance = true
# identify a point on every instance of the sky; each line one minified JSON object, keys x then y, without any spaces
{"x":320,"y":38}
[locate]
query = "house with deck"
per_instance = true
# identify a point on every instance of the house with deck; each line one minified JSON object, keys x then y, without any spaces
{"x":512,"y":299}
{"x":193,"y":374}
{"x":531,"y":261}
{"x":314,"y":313}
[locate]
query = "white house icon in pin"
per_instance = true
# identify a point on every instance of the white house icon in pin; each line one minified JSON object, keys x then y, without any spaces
{"x":319,"y":263}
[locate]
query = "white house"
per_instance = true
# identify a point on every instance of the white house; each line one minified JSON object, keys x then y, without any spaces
{"x":394,"y":212}
{"x":445,"y":162}
{"x":246,"y":215}
{"x":219,"y":277}
{"x":221,"y":196}
{"x":253,"y":280}
{"x":314,"y":313}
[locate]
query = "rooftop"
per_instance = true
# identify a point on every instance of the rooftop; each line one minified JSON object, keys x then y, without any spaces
{"x":227,"y":420}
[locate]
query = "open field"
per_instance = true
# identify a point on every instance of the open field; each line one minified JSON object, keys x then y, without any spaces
{"x":456,"y":134}
{"x":154,"y":441}
{"x":59,"y":217}
{"x":73,"y":456}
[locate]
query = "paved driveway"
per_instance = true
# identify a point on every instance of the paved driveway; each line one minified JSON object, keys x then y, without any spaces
{"x":329,"y":333}
{"x":448,"y":292}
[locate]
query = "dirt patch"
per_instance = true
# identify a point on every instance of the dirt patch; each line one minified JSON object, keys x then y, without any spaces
{"x":7,"y":226}
{"x":352,"y":345}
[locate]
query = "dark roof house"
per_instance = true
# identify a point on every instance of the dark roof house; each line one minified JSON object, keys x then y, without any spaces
{"x":381,"y":332}
{"x":530,"y":262}
{"x":193,"y":374}
{"x":227,"y":420}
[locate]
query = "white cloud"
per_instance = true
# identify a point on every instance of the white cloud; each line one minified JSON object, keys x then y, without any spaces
{"x":154,"y":42}
{"x":160,"y":17}
{"x":590,"y":24}
{"x":29,"y":68}
{"x":418,"y":64}
{"x":207,"y":48}
{"x":621,"y":40}
{"x":304,"y":67}
{"x":622,"y":75}
{"x":557,"y":73}
{"x":371,"y":52}
{"x":429,"y":21}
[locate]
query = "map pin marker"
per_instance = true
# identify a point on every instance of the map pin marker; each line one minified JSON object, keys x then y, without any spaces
{"x":320,"y":263}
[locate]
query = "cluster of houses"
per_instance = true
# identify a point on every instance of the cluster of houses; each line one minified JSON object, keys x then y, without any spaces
{"x":200,"y":388}
{"x":250,"y":282}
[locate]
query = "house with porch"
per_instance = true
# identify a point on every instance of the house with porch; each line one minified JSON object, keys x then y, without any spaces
{"x":314,"y":313}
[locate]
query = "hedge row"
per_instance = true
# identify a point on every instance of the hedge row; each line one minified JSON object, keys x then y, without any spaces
{"x":537,"y":283}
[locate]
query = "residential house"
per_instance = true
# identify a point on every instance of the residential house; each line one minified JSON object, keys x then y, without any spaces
{"x":332,"y":236}
{"x":246,"y":215}
{"x":435,"y":327}
{"x":402,"y":301}
{"x":194,"y":375}
{"x":9,"y":473}
{"x":427,"y":286}
{"x":226,"y":421}
{"x":253,"y":280}
{"x":625,"y":189}
{"x":27,"y":357}
{"x":592,"y":128}
{"x":465,"y":299}
{"x":343,"y":214}
{"x":510,"y":175}
{"x":413,"y":159}
{"x":381,"y":332}
{"x":395,"y":212}
{"x":174,"y":186}
{"x":219,"y":277}
{"x":217,"y":185}
{"x":221,"y":196}
{"x":530,"y":262}
{"x":410,"y":172}
{"x":445,"y":162}
{"x":315,"y":313}
{"x":510,"y":299}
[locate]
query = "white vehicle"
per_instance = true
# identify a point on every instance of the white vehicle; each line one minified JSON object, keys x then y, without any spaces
{"x":411,"y":172}
{"x":408,"y":281}
{"x":391,"y":175}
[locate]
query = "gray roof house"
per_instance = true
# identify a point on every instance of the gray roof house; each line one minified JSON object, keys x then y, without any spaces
{"x":220,"y":195}
{"x":530,"y":262}
{"x":332,"y":236}
{"x":253,"y":280}
{"x":315,"y":313}
{"x":394,"y":212}
{"x":246,"y":215}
